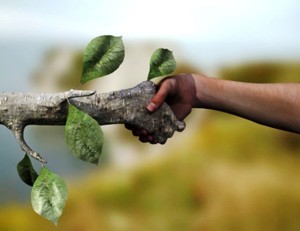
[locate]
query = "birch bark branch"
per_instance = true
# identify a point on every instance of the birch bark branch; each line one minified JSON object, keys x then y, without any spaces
{"x":17,"y":110}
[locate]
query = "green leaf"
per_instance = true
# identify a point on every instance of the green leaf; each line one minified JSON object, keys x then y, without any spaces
{"x":48,"y":196}
{"x":26,"y":171}
{"x":102,"y":56}
{"x":162,"y":63}
{"x":84,"y":135}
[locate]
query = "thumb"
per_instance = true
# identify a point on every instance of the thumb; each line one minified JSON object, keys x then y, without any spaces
{"x":158,"y":99}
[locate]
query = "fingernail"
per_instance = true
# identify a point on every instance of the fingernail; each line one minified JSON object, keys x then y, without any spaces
{"x":151,"y":107}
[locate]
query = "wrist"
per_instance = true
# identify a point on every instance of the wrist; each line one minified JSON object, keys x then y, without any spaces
{"x":204,"y":88}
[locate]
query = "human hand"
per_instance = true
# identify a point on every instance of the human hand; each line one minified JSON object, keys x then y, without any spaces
{"x":179,"y":92}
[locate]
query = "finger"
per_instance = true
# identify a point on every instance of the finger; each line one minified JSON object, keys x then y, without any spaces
{"x":152,"y":142}
{"x":160,"y":96}
{"x":140,"y":132}
{"x":151,"y":139}
{"x":143,"y":139}
{"x":163,"y":142}
{"x":130,"y":127}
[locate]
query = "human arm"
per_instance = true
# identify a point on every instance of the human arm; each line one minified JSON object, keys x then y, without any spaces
{"x":273,"y":105}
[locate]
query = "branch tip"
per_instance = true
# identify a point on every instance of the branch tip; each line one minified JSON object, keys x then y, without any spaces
{"x":18,"y":131}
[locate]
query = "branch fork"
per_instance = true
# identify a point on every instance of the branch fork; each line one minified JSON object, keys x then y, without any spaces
{"x":17,"y":110}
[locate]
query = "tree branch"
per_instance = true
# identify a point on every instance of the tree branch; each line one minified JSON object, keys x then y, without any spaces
{"x":17,"y":110}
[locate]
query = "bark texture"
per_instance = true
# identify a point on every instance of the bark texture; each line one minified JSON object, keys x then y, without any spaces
{"x":17,"y":110}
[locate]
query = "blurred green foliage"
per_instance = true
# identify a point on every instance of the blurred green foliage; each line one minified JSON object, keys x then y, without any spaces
{"x":231,"y":174}
{"x":263,"y":72}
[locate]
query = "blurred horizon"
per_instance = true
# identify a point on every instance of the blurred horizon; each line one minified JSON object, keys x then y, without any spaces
{"x":208,"y":34}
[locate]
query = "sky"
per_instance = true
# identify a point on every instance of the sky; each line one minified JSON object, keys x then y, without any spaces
{"x":210,"y":32}
{"x":181,"y":20}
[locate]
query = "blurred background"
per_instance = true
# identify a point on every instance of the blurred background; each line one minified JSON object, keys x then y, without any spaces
{"x":221,"y":173}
